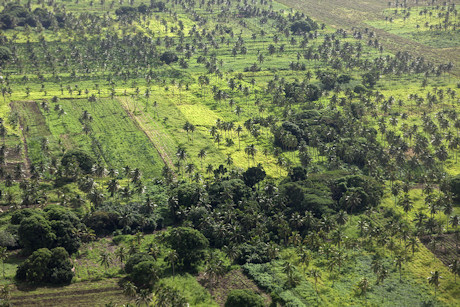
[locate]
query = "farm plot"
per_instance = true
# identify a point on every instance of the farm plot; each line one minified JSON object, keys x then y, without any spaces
{"x":108,"y":133}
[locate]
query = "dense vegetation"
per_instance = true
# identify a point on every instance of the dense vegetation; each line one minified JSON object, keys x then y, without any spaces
{"x":175,"y":147}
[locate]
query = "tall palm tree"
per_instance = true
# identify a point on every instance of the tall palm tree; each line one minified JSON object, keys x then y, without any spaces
{"x":144,"y":298}
{"x":3,"y":257}
{"x":105,"y":260}
{"x":202,"y":154}
{"x":399,"y":260}
{"x":316,"y":274}
{"x":238,"y":130}
{"x":434,"y":280}
{"x":121,"y":254}
{"x":172,"y":258}
{"x":364,"y":286}
{"x":113,"y":187}
{"x":129,"y":290}
{"x":454,"y":267}
{"x":250,"y":150}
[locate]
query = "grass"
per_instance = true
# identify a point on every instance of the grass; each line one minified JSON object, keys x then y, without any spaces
{"x":417,"y":27}
{"x":94,"y":293}
{"x":114,"y":138}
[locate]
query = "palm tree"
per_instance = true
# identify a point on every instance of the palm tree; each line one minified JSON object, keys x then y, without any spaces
{"x":105,"y":260}
{"x":172,"y":258}
{"x":144,"y":298}
{"x":121,"y":254}
{"x":454,"y":267}
{"x":238,"y":130}
{"x":113,"y":187}
{"x":399,"y":260}
{"x":413,"y":243}
{"x":316,"y":274}
{"x":289,"y":270}
{"x":129,"y":290}
{"x":3,"y":257}
{"x":406,"y":203}
{"x":250,"y":150}
{"x":202,"y":154}
{"x":363,"y":285}
{"x":434,"y":280}
{"x":305,"y":258}
{"x":352,"y":200}
{"x":342,"y":217}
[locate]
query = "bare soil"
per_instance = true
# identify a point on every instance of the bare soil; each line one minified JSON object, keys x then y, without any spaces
{"x":446,"y":247}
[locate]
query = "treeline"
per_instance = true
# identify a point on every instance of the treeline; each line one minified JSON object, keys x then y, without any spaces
{"x":14,"y":15}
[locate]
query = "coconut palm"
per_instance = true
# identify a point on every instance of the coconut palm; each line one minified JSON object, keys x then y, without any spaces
{"x":3,"y":257}
{"x":454,"y":267}
{"x":316,"y":274}
{"x":202,"y":154}
{"x":434,"y":280}
{"x":105,"y":260}
{"x":172,"y":258}
{"x":363,"y":286}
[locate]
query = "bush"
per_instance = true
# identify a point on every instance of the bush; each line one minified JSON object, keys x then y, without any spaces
{"x":189,"y":244}
{"x":35,"y":232}
{"x":7,"y":239}
{"x":244,"y":298}
{"x":19,"y":215}
{"x":169,"y":57}
{"x":135,"y":259}
{"x":85,"y":161}
{"x":46,"y":266}
{"x":145,"y":274}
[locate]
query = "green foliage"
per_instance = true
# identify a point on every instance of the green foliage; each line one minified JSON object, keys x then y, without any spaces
{"x":35,"y":232}
{"x":356,"y":193}
{"x":46,"y":266}
{"x":244,"y":298}
{"x":19,"y":215}
{"x":58,"y":226}
{"x":145,"y":274}
{"x":302,"y":26}
{"x":169,"y":57}
{"x":455,"y":187}
{"x":189,"y":244}
{"x":83,"y":160}
{"x":370,"y":79}
{"x":5,"y":55}
{"x":135,"y":259}
{"x":253,"y":176}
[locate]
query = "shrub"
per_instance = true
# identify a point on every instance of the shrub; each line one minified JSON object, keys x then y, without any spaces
{"x":244,"y":298}
{"x":189,"y":244}
{"x":46,"y":266}
{"x":169,"y":57}
{"x":135,"y":259}
{"x":7,"y":239}
{"x":145,"y":274}
{"x":35,"y":232}
{"x":85,"y":161}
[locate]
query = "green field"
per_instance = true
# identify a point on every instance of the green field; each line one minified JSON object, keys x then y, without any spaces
{"x":306,"y":152}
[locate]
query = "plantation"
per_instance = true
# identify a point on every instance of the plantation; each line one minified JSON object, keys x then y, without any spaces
{"x":229,"y":153}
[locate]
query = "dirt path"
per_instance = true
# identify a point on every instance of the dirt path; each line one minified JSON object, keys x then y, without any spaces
{"x":153,"y":135}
